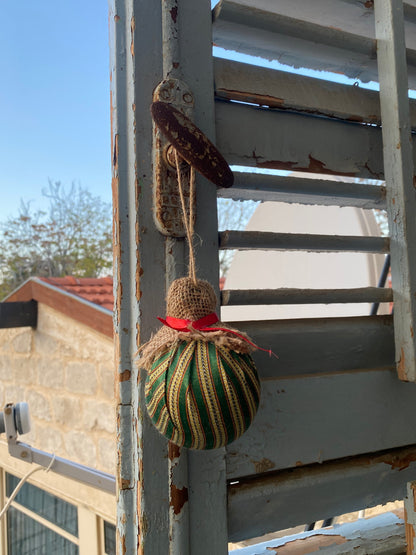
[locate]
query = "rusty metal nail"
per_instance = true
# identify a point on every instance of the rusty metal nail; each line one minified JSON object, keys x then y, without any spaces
{"x":188,"y":98}
{"x":8,"y":410}
{"x":23,"y":454}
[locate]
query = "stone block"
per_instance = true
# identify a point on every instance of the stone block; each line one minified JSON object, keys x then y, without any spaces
{"x":24,"y":370}
{"x":107,"y":455}
{"x":6,"y":370}
{"x":14,"y":394}
{"x":51,"y":372}
{"x":107,"y":386}
{"x":39,"y":405}
{"x":44,"y":344}
{"x":99,"y":416}
{"x":81,"y":378}
{"x":22,"y":343}
{"x":80,"y":448}
{"x":49,"y":439}
{"x":67,"y":411}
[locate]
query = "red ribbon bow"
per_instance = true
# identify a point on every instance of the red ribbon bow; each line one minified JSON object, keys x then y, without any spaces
{"x":183,"y":325}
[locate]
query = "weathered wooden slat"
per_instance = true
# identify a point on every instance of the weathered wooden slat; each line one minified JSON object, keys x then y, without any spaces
{"x":274,"y":32}
{"x":321,"y":345}
{"x":301,"y":495}
{"x":291,"y":189}
{"x":319,"y":418}
{"x":18,"y":314}
{"x":399,"y":169}
{"x":288,"y":295}
{"x":249,"y":136}
{"x":384,"y":532}
{"x":263,"y":240}
{"x":290,"y":91}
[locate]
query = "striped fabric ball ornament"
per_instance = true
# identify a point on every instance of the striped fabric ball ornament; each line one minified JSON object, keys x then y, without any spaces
{"x":201,"y":395}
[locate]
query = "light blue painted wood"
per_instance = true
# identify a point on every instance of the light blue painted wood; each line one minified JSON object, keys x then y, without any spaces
{"x":305,"y":420}
{"x":290,"y":189}
{"x":139,"y":271}
{"x":272,"y":139}
{"x":399,"y":173}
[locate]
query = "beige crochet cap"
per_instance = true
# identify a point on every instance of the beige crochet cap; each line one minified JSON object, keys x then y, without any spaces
{"x":190,"y":299}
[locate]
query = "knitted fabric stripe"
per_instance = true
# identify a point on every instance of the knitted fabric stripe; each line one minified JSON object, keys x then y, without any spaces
{"x":202,"y":396}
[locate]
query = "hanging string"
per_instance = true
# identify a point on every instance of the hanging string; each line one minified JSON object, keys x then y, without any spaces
{"x":187,"y":220}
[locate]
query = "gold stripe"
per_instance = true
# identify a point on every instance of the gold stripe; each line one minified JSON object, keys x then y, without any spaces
{"x":210,"y":396}
{"x":155,"y":373}
{"x":175,"y":384}
{"x":232,"y":400}
{"x":194,"y":420}
{"x":157,"y":396}
{"x":242,"y":381}
{"x":163,"y":420}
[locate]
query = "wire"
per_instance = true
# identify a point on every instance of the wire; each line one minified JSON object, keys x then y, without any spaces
{"x":21,"y":484}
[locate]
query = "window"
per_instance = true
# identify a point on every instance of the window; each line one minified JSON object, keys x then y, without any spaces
{"x":109,"y":538}
{"x":39,"y":523}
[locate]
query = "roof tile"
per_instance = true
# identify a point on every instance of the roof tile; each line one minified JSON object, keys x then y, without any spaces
{"x":94,"y":290}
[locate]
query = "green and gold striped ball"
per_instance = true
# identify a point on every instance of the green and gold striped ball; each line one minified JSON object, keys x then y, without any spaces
{"x":202,"y":396}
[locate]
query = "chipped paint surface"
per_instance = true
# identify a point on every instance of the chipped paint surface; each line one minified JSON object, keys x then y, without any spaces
{"x":263,"y":466}
{"x":178,"y":498}
{"x":308,"y":545}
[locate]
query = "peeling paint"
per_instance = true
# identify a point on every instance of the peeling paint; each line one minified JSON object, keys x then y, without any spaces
{"x":178,"y":498}
{"x":401,"y":366}
{"x":174,"y":13}
{"x":174,"y":451}
{"x":308,"y":545}
{"x":133,"y":28}
{"x":263,"y":466}
{"x":124,"y":376}
{"x":410,"y":534}
{"x":315,"y":166}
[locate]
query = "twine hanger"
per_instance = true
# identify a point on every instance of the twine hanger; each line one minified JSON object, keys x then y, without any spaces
{"x":188,"y":219}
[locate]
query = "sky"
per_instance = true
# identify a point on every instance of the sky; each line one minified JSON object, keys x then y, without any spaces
{"x":55,"y":98}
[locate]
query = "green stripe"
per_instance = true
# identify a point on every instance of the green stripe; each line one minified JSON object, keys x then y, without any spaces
{"x":220,"y":373}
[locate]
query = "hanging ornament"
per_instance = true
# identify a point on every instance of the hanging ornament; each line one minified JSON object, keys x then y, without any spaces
{"x":202,"y":388}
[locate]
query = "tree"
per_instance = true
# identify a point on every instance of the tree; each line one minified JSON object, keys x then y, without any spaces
{"x":72,"y":237}
{"x":232,"y":215}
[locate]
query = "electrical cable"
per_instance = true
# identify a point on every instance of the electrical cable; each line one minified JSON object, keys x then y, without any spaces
{"x":21,"y":484}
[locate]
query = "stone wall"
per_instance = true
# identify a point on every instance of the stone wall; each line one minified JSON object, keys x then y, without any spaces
{"x":64,"y":370}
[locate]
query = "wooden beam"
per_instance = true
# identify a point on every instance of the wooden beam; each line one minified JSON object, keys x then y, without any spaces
{"x":285,"y":499}
{"x":264,"y":240}
{"x":321,"y":345}
{"x":400,"y":180}
{"x":273,"y":139}
{"x":312,"y":419}
{"x":291,"y":91}
{"x":306,"y":35}
{"x":18,"y":314}
{"x":305,"y":296}
{"x":295,"y":189}
{"x":384,"y":533}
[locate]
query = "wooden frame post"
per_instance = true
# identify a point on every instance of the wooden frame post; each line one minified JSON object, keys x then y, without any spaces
{"x":169,"y":500}
{"x":399,"y":175}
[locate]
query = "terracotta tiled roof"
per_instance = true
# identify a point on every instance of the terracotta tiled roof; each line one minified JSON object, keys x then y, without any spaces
{"x":89,"y":301}
{"x":95,"y":290}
